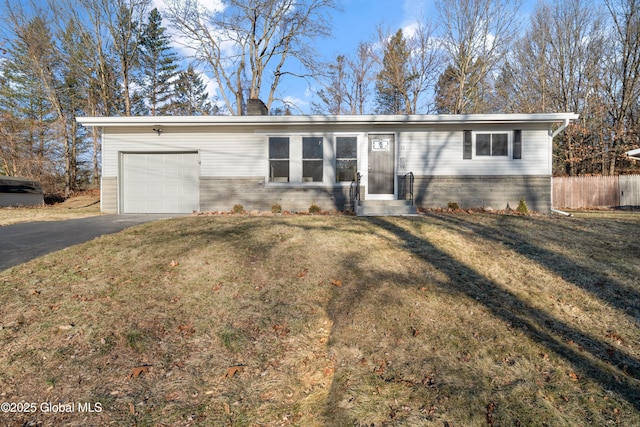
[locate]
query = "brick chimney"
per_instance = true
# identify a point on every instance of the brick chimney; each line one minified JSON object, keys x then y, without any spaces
{"x":255,"y":107}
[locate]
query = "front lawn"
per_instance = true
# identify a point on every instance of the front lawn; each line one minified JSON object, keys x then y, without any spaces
{"x":441,"y":319}
{"x":80,"y":206}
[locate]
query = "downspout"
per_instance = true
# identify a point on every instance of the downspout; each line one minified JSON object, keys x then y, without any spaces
{"x":562,"y":127}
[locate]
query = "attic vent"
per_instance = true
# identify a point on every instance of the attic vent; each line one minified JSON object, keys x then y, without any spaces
{"x":255,"y":107}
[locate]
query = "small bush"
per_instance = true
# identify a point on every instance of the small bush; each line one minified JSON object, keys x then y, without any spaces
{"x":522,"y":207}
{"x":314,"y":209}
{"x":53,"y":198}
{"x":276,"y":208}
{"x":453,"y":206}
{"x":237,"y":209}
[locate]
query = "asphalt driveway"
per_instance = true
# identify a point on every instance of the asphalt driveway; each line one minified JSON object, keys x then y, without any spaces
{"x":23,"y":242}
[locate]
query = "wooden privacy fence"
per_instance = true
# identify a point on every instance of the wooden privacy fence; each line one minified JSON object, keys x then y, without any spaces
{"x":596,"y":191}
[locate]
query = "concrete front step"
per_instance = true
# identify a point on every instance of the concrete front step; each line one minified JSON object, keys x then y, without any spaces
{"x":385,"y":208}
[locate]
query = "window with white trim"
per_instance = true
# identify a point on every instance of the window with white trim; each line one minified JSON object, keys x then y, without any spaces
{"x":346,"y":158}
{"x":312,"y":154}
{"x":279,"y":159}
{"x":492,"y":144}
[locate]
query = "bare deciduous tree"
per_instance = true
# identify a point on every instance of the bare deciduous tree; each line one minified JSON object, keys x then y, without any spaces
{"x":348,"y":82}
{"x":476,"y":35}
{"x":246,"y":40}
{"x":361,"y":68}
{"x":334,"y":93}
{"x":425,"y":62}
{"x":622,"y":79}
{"x":557,"y":66}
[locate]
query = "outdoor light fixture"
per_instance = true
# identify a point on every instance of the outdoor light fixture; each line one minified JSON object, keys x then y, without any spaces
{"x":158,"y":129}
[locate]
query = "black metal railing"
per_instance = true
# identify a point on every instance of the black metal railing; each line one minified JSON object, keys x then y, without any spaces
{"x":407,"y":187}
{"x":354,"y":191}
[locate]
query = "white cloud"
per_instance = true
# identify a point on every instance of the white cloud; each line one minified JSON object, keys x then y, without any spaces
{"x":184,"y":46}
{"x":297,"y":104}
{"x":414,"y":13}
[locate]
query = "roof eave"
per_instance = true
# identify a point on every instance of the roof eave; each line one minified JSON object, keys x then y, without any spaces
{"x":634,"y":154}
{"x":342,"y":119}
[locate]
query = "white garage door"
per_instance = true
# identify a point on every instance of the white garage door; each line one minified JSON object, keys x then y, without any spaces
{"x":160,"y":183}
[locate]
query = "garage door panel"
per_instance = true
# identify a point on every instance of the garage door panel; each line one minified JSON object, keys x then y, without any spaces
{"x":137,"y":175}
{"x":160,"y":182}
{"x":175,"y":175}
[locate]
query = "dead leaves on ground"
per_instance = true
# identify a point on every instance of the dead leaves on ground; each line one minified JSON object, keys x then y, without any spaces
{"x":491,"y":407}
{"x":135,"y":372}
{"x":186,"y":330}
{"x":232,"y":370}
{"x":281,"y":330}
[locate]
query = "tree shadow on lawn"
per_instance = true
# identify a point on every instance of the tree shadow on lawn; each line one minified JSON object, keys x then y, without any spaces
{"x":592,"y":358}
{"x":614,"y":371}
{"x":604,"y":287}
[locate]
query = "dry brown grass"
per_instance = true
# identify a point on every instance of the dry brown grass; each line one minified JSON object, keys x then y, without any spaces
{"x":443,"y":319}
{"x":76,"y":207}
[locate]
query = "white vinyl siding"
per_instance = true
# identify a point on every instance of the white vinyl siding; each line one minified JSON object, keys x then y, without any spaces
{"x":440,"y":153}
{"x":228,"y":154}
{"x":237,"y":152}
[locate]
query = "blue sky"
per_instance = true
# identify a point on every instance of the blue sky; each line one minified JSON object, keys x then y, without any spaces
{"x":356,"y":22}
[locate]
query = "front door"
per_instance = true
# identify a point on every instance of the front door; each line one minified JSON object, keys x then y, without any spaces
{"x":382,"y":155}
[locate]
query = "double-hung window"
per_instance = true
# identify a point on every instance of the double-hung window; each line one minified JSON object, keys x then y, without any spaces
{"x":279,"y":159}
{"x":312,"y":154}
{"x":346,"y":158}
{"x":492,"y":144}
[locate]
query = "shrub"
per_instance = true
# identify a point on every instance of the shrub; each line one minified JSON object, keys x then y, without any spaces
{"x":453,"y":206}
{"x":237,"y":209}
{"x":53,"y":198}
{"x":522,"y":207}
{"x":314,"y":209}
{"x":276,"y":208}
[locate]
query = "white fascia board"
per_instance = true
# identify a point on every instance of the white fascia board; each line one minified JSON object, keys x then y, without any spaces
{"x":634,"y":154}
{"x":326,"y":120}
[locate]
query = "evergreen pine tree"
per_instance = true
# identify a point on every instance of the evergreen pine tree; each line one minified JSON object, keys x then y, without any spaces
{"x":158,"y":65}
{"x":190,"y":97}
{"x":393,"y":81}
